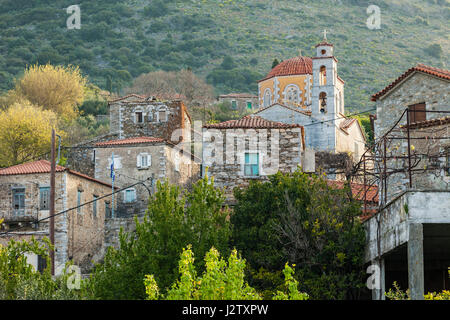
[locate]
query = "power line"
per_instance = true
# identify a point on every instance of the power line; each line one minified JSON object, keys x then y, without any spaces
{"x":351,"y":115}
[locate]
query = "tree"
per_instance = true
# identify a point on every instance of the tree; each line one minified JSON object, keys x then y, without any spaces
{"x":172,"y":221}
{"x":299,"y":218}
{"x":220,"y":281}
{"x":56,"y":88}
{"x":25,"y":133}
{"x":169,"y":85}
{"x":275,"y":63}
{"x":20,"y":281}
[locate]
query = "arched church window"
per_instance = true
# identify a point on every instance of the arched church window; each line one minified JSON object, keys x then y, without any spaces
{"x":323,"y":76}
{"x":267,"y":98}
{"x":291,"y":94}
{"x":323,"y":102}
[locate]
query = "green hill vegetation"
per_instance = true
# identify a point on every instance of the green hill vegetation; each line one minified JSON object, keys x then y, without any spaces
{"x":230,"y":43}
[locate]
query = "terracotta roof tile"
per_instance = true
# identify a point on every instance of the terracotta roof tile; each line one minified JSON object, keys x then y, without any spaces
{"x":429,"y":123}
{"x":251,"y":122}
{"x":42,"y":166}
{"x":441,"y":73}
{"x":238,"y":95}
{"x":296,"y":65}
{"x":358,"y":190}
{"x":128,"y":141}
{"x":324,"y":43}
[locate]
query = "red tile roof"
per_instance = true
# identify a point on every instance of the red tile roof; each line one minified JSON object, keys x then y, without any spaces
{"x":42,"y":166}
{"x":441,"y":73}
{"x":133,"y":95}
{"x":347,"y":123}
{"x":429,"y":123}
{"x":238,"y":95}
{"x":128,"y":141}
{"x":251,"y":122}
{"x":293,"y":66}
{"x":358,"y":190}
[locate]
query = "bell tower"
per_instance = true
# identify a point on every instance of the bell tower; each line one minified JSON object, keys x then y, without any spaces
{"x":324,"y":90}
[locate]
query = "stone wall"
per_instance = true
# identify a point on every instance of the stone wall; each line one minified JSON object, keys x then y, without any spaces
{"x":225,"y":160}
{"x":77,"y":235}
{"x":80,"y":157}
{"x":85,"y":227}
{"x":418,"y":88}
{"x":435,"y":93}
{"x":123,"y":119}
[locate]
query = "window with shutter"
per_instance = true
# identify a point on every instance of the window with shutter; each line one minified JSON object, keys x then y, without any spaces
{"x":417,"y":113}
{"x":44,"y":198}
{"x":149,"y":160}
{"x":19,"y":200}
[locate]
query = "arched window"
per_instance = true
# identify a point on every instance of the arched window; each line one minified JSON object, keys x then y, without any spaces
{"x":323,"y":102}
{"x":292,"y":94}
{"x":323,"y":76}
{"x":162,"y":114}
{"x":267,"y":98}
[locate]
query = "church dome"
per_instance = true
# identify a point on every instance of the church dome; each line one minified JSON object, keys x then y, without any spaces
{"x":294,"y":66}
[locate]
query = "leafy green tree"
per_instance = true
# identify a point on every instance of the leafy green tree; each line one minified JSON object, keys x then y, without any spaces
{"x":20,"y":281}
{"x":220,"y":281}
{"x":171,"y":223}
{"x":275,"y":63}
{"x":299,"y":218}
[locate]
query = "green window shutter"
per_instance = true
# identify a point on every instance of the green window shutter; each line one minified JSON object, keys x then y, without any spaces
{"x":249,"y":105}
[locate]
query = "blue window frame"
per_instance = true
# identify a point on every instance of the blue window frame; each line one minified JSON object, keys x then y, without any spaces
{"x":19,"y":200}
{"x":251,"y":166}
{"x":130,"y":195}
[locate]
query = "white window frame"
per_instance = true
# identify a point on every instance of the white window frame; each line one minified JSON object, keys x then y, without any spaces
{"x":166,"y":110}
{"x":269,"y":93}
{"x":142,"y":156}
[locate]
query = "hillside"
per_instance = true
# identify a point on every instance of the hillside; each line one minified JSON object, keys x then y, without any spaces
{"x":122,"y":39}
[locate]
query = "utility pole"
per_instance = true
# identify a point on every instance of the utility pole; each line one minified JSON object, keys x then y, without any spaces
{"x":52,"y":202}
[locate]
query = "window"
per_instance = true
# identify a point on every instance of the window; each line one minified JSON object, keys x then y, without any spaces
{"x":79,"y":201}
{"x":251,"y":166}
{"x":233,"y":104}
{"x":267,"y":98}
{"x":322,"y":102}
{"x":162,"y":114}
{"x":144,"y":160}
{"x":44,"y":198}
{"x":139,"y":117}
{"x":94,"y":206}
{"x":292,"y":94}
{"x":417,"y":113}
{"x":249,"y":105}
{"x":323,"y":76}
{"x":19,"y":200}
{"x":107,"y":209}
{"x":41,"y":263}
{"x":130,"y":196}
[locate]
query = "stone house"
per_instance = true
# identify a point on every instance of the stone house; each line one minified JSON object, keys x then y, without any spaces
{"x":408,"y":239}
{"x":240,"y":101}
{"x":144,"y":159}
{"x":25,"y":198}
{"x":238,"y":151}
{"x":133,"y":116}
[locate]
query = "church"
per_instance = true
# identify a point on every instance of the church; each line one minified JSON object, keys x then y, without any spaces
{"x":308,"y":91}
